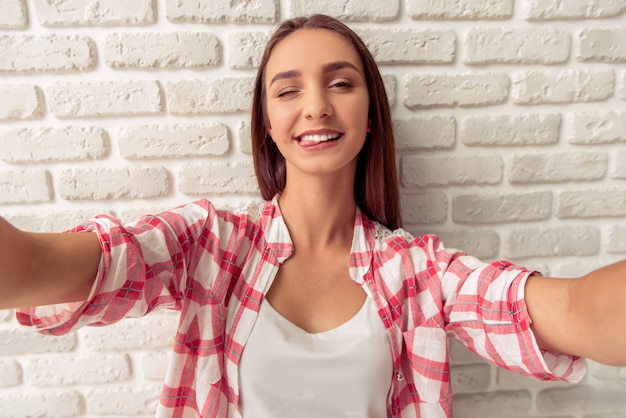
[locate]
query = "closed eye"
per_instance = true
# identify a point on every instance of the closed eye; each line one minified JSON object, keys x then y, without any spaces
{"x":285,"y":93}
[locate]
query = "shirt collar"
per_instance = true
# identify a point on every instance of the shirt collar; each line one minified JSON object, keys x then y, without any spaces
{"x":280,"y":243}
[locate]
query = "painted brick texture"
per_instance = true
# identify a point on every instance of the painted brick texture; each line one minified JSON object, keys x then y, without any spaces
{"x":510,"y":122}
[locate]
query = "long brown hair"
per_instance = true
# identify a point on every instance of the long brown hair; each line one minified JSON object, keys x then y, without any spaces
{"x":376,"y":184}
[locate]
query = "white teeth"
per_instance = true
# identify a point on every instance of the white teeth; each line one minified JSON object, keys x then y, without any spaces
{"x":319,"y":138}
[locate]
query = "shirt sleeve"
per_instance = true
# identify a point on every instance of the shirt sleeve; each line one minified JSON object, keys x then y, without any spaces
{"x":485,"y":309}
{"x":144,"y":265}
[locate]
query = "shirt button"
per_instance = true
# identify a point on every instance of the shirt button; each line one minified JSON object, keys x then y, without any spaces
{"x":399,"y":377}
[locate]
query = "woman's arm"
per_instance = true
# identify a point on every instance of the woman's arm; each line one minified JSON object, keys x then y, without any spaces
{"x":584,"y":317}
{"x":41,"y":269}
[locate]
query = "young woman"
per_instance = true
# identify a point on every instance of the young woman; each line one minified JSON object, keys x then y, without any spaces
{"x":313,"y":302}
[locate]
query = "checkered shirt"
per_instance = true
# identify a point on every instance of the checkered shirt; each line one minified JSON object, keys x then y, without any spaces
{"x":216,"y":266}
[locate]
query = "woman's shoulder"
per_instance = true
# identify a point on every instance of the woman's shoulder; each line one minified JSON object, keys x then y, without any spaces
{"x":400,"y":236}
{"x":253,"y":209}
{"x":384,"y":234}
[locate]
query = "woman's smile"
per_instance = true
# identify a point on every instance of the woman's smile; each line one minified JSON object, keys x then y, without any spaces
{"x":317,"y":138}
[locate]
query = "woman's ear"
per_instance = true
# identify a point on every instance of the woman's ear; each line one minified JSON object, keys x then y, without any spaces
{"x":369,"y":125}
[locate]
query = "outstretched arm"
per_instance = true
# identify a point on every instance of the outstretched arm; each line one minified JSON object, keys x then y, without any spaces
{"x":41,"y":269}
{"x":584,"y":317}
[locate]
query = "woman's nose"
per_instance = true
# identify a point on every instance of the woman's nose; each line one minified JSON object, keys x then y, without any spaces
{"x":317,"y":105}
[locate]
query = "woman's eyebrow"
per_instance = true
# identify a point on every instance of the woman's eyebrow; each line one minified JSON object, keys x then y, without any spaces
{"x":338,"y":65}
{"x":326,"y":68}
{"x":285,"y":74}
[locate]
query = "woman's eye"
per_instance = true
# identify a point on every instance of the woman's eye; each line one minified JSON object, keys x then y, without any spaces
{"x":285,"y":93}
{"x":342,"y":84}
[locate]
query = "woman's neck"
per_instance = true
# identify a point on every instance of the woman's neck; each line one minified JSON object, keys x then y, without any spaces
{"x":319,"y":213}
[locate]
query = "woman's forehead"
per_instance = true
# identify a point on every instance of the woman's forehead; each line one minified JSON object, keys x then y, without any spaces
{"x":314,"y":47}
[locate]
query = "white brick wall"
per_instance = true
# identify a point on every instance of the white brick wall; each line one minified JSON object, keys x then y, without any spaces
{"x":46,"y":53}
{"x":510,"y":118}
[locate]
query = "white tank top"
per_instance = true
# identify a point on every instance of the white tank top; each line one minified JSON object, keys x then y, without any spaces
{"x":288,"y":372}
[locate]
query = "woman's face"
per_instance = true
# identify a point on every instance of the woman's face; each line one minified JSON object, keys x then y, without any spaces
{"x":317,"y":103}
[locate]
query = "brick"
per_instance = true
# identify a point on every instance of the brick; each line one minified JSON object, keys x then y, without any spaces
{"x":53,"y":221}
{"x":162,"y":50}
{"x":350,"y":10}
{"x":11,"y":373}
{"x":158,"y":141}
{"x":245,"y":49}
{"x":125,"y":400}
{"x":606,"y":415}
{"x":621,"y":90}
{"x":47,"y":53}
{"x":26,"y":341}
{"x":220,"y":178}
{"x":459,"y":354}
{"x":77,"y":369}
{"x":604,"y":372}
{"x":114,"y":183}
{"x":244,"y":131}
{"x":508,"y":380}
{"x":591,"y":203}
{"x":481,"y":405}
{"x":13,"y":15}
{"x":214,"y":11}
{"x":113,"y":98}
{"x":477,"y":243}
{"x":562,"y":86}
{"x":444,"y":171}
{"x":85,"y":13}
{"x":500,"y":208}
{"x":44,"y":404}
{"x":601,"y":45}
{"x":424,"y":208}
{"x":410,"y":46}
{"x":423,"y":90}
{"x":578,"y":267}
{"x":53,"y":144}
{"x":25,"y":186}
{"x":470,"y":378}
{"x":511,"y":130}
{"x":552,"y":242}
{"x":520,"y":45}
{"x":21,"y":102}
{"x":148,"y":332}
{"x":618,"y":169}
{"x":557,"y":167}
{"x":596,"y":398}
{"x":459,"y":9}
{"x":228,"y":94}
{"x":595,"y":127}
{"x":573,"y":9}
{"x":616,"y":239}
{"x":424,"y":132}
{"x":154,"y":365}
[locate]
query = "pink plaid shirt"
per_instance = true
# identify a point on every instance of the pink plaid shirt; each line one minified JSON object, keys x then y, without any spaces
{"x":216,"y":266}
